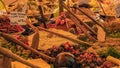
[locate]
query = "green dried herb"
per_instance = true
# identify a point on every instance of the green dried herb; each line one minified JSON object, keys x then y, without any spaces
{"x":110,"y":52}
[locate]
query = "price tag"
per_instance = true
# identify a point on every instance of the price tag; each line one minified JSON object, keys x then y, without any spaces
{"x":18,"y":18}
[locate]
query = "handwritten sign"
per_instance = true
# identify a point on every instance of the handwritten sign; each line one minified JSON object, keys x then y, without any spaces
{"x":18,"y":18}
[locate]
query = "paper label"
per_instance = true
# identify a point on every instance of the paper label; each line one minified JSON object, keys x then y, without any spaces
{"x":18,"y":18}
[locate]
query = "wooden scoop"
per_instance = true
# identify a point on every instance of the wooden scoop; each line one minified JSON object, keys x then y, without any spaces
{"x":90,"y":17}
{"x":35,"y":39}
{"x":88,"y":27}
{"x":15,"y":57}
{"x":63,"y":36}
{"x":14,"y":40}
{"x":84,"y":30}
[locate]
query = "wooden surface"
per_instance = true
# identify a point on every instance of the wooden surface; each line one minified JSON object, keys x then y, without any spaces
{"x":38,"y":62}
